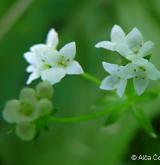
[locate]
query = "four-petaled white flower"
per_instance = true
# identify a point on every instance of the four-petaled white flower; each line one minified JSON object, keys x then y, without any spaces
{"x":117,"y":80}
{"x":130,"y":46}
{"x":49,"y":63}
{"x":135,"y":50}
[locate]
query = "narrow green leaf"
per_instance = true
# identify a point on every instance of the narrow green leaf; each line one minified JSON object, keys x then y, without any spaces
{"x":117,"y":112}
{"x":144,"y":121}
{"x":114,"y":116}
{"x":148,"y":96}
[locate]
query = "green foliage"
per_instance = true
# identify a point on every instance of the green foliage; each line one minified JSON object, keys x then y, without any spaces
{"x":144,"y":121}
{"x":114,"y":116}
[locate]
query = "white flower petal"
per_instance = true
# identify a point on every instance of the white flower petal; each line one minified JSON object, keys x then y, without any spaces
{"x":110,"y":68}
{"x":145,"y":49}
{"x":139,"y":61}
{"x":37,"y":48}
{"x":152,"y":71}
{"x":124,"y":50}
{"x":52,"y":38}
{"x":41,"y":51}
{"x":134,"y":39}
{"x":110,"y":83}
{"x":51,"y":57}
{"x":30,"y":68}
{"x":106,"y":45}
{"x":128,"y":71}
{"x":53,"y":75}
{"x":74,"y":68}
{"x":69,"y":51}
{"x":140,"y":84}
{"x":32,"y":77}
{"x":117,"y":34}
{"x":31,"y":58}
{"x":121,"y":87}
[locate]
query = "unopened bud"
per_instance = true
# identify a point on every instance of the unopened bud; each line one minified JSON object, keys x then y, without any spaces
{"x":44,"y":90}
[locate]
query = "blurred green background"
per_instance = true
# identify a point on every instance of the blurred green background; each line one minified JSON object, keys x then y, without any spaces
{"x":26,"y":22}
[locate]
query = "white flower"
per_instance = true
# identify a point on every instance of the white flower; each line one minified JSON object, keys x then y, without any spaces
{"x":119,"y":75}
{"x":134,"y":46}
{"x":143,"y":74}
{"x":129,"y":46}
{"x":117,"y":80}
{"x":49,"y":63}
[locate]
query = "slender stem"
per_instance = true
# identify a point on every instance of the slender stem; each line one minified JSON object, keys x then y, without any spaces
{"x":86,"y":117}
{"x":91,"y":78}
{"x":81,"y":118}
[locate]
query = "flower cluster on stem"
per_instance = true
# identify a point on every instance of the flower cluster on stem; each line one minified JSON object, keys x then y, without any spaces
{"x":139,"y":68}
{"x":26,"y":111}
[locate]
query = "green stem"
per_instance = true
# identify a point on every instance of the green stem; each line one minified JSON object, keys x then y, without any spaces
{"x":81,"y":118}
{"x":91,"y":78}
{"x":86,"y":117}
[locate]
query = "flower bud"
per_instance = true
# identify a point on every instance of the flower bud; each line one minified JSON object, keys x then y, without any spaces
{"x":44,"y":107}
{"x":26,"y":131}
{"x":11,"y":109}
{"x":28,"y":96}
{"x":44,"y":90}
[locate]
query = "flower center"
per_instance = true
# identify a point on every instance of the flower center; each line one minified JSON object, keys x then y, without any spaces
{"x":142,"y":68}
{"x":135,"y":50}
{"x":63,"y":62}
{"x":26,"y":110}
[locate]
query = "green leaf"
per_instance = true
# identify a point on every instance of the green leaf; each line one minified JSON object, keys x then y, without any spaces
{"x":110,"y":101}
{"x":117,"y":112}
{"x":118,"y":106}
{"x":148,"y":96}
{"x":41,"y":123}
{"x":144,"y":121}
{"x":114,"y":116}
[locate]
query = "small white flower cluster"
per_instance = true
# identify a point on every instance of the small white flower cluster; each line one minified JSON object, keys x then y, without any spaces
{"x":133,"y":48}
{"x":31,"y":106}
{"x":49,"y":63}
